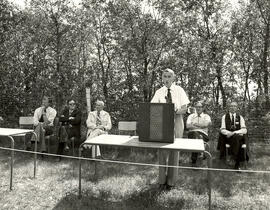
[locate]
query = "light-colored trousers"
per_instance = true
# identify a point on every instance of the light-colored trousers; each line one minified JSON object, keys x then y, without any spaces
{"x":168,"y":175}
{"x":95,"y":148}
{"x":40,"y":132}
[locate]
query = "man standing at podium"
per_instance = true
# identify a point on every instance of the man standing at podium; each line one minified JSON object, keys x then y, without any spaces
{"x":171,"y":93}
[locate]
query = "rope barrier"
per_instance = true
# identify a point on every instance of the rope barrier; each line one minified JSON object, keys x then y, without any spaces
{"x":138,"y":164}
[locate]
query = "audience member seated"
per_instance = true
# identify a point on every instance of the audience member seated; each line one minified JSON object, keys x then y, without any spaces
{"x":70,"y":126}
{"x":233,"y":132}
{"x":197,"y":125}
{"x":1,"y":119}
{"x":98,"y":122}
{"x":43,"y":122}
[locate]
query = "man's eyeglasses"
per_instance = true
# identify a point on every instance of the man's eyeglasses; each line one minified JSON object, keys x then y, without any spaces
{"x":71,"y":104}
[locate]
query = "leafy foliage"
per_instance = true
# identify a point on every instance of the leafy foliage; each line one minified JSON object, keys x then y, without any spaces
{"x":119,"y":49}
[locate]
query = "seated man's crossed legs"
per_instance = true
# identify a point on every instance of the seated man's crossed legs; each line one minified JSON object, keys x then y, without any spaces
{"x":43,"y":133}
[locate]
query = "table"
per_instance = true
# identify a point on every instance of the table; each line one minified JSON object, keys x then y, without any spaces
{"x":180,"y":144}
{"x":9,"y":132}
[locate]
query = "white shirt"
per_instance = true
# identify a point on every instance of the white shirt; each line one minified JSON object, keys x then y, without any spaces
{"x":105,"y":119}
{"x":179,"y":97}
{"x":243,"y":129}
{"x":50,"y":114}
{"x":203,"y":120}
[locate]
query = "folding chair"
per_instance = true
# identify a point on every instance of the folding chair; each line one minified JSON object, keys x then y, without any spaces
{"x":26,"y":122}
{"x":127,"y":126}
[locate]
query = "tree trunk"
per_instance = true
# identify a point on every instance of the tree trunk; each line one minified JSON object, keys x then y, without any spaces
{"x":145,"y":80}
{"x":264,"y":61}
{"x":220,"y":85}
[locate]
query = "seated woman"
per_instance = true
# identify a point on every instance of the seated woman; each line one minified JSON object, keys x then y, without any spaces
{"x":43,"y":122}
{"x":70,"y":128}
{"x":197,"y":124}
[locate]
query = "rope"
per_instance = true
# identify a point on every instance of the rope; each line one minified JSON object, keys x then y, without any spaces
{"x":138,"y":164}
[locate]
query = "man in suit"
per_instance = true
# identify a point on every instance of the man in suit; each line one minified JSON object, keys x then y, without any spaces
{"x":171,"y":93}
{"x":233,"y":132}
{"x":43,"y":121}
{"x":70,"y":129}
{"x":98,"y":122}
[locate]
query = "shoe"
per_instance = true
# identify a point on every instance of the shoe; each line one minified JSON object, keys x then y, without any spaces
{"x":201,"y":156}
{"x":193,"y":164}
{"x":169,"y":187}
{"x":66,"y":148}
{"x":221,"y":157}
{"x":162,"y":187}
{"x":236,"y":166}
{"x":32,"y":146}
{"x":42,"y":156}
{"x":204,"y":157}
{"x":114,"y":155}
{"x":99,"y":157}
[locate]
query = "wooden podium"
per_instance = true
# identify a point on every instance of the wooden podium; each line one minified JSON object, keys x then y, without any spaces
{"x":156,"y":122}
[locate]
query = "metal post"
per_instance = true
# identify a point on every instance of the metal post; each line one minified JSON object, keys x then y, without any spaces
{"x":245,"y":156}
{"x":206,"y":146}
{"x":95,"y":175}
{"x":227,"y":146}
{"x":11,"y":161}
{"x":35,"y":155}
{"x":49,"y":142}
{"x":209,"y":164}
{"x":72,"y":141}
{"x":80,"y":172}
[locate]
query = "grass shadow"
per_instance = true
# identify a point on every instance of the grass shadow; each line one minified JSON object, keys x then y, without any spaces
{"x":146,"y":198}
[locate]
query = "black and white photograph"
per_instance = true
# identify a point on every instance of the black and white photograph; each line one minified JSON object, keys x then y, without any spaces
{"x":134,"y":104}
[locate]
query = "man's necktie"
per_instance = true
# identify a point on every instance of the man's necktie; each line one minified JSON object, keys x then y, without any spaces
{"x":233,"y":120}
{"x":98,"y":118}
{"x":169,"y":97}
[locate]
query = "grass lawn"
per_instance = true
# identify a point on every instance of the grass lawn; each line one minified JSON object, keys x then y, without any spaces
{"x":120,"y":186}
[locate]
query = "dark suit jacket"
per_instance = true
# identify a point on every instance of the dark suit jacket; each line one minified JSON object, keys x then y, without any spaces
{"x":73,"y":126}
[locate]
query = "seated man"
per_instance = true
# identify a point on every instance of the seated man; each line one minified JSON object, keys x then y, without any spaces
{"x":233,"y":132}
{"x":98,"y":122}
{"x":1,"y":119}
{"x":197,"y":125}
{"x":70,"y":128}
{"x":43,"y":122}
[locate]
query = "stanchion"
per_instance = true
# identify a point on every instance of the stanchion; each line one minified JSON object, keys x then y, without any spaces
{"x":209,"y":164}
{"x":80,"y":171}
{"x":11,"y":162}
{"x":35,"y":155}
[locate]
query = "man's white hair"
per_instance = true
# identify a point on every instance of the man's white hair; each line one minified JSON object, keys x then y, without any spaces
{"x":99,"y":102}
{"x":168,"y":71}
{"x":199,"y":103}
